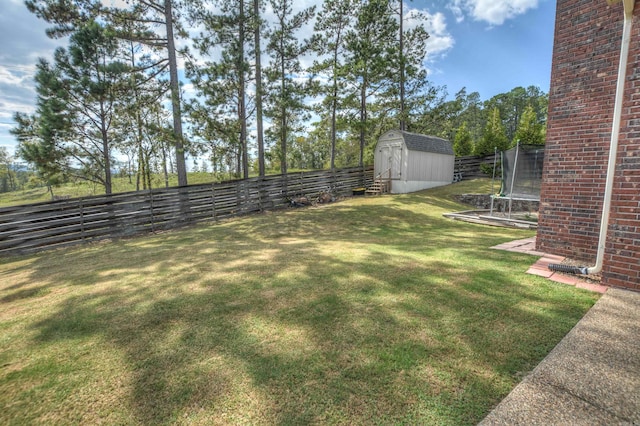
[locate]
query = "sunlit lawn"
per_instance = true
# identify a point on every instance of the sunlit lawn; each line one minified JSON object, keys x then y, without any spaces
{"x":372,"y":310}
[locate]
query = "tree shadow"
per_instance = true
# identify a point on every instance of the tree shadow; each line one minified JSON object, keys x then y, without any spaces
{"x":265,"y":315}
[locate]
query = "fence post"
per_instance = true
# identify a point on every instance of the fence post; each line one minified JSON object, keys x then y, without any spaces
{"x":302,"y":184}
{"x":247,"y":194}
{"x":153,"y":222}
{"x":285,"y":185}
{"x":259,"y":188}
{"x":185,"y":204}
{"x":213,"y":200}
{"x":334,"y":181}
{"x":81,"y":220}
{"x":238,"y":203}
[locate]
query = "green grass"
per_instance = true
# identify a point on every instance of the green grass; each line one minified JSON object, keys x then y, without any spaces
{"x":83,"y":188}
{"x":373,"y":310}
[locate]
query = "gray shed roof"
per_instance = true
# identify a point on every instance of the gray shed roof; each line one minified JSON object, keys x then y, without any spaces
{"x":416,"y":142}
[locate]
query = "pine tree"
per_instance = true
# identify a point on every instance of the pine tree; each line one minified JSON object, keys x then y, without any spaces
{"x":463,"y":145}
{"x":331,"y":27}
{"x":222,"y":84}
{"x":94,"y":83}
{"x":39,"y":149}
{"x":67,"y":16}
{"x":7,"y":175}
{"x":257,"y":39}
{"x":136,"y":114}
{"x":174,"y":85}
{"x":370,"y":53}
{"x":285,"y":96}
{"x":529,"y":130}
{"x":512,"y":105}
{"x":402,"y":67}
{"x":493,"y":137}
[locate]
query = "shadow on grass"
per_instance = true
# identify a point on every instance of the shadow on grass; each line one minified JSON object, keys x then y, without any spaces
{"x":360,"y":314}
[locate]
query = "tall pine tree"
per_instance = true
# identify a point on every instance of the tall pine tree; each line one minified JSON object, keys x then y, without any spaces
{"x":69,"y":15}
{"x":370,"y":53}
{"x":494,"y":136}
{"x":462,"y":144}
{"x":222,"y":84}
{"x":530,"y":130}
{"x":257,"y":23}
{"x":90,"y":83}
{"x":332,"y":24}
{"x":286,"y":93}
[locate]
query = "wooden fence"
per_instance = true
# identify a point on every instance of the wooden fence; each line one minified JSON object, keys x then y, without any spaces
{"x":469,"y":166}
{"x":33,"y":227}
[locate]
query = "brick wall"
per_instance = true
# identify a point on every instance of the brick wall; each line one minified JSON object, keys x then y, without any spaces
{"x":583,"y":82}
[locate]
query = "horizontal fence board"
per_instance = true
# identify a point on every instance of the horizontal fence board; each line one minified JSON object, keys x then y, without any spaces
{"x":40,"y":226}
{"x":61,"y":230}
{"x":469,"y":166}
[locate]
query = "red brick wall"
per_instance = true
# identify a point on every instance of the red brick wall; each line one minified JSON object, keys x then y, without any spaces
{"x":584,"y":71}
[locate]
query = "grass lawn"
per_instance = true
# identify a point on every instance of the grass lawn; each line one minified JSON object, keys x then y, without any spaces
{"x":373,"y":310}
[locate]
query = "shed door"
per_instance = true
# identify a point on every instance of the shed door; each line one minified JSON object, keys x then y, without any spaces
{"x":391,"y":156}
{"x":396,"y":161}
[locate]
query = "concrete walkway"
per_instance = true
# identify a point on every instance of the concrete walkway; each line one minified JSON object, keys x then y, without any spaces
{"x":592,"y":377}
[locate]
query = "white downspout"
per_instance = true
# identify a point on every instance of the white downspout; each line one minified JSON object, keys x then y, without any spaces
{"x":615,"y":131}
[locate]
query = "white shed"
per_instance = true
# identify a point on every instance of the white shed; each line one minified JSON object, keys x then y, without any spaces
{"x":413,"y":162}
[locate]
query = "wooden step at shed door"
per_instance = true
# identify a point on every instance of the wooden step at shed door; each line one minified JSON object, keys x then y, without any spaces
{"x":379,"y":186}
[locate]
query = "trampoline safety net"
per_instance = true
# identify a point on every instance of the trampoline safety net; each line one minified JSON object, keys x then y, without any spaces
{"x":522,"y":172}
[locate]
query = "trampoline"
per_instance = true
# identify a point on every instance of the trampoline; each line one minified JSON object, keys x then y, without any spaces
{"x":521,"y":174}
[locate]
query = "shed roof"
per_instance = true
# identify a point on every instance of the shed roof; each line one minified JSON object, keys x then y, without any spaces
{"x":416,"y":142}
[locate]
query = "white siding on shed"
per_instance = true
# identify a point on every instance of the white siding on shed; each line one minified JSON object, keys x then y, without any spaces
{"x":416,"y":161}
{"x":428,"y":166}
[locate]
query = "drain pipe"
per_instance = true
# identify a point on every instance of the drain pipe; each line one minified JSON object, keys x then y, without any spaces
{"x":613,"y":148}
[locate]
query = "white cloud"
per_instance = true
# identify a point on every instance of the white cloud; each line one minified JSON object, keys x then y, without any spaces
{"x":457,"y":12}
{"x":494,"y":12}
{"x":440,"y":41}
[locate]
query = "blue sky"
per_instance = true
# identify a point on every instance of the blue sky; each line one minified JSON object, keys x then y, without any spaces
{"x":487,"y":46}
{"x":491,"y":56}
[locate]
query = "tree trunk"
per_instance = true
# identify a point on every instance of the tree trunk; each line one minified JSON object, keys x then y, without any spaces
{"x":164,"y":166}
{"x":105,"y":151}
{"x":140,"y":172}
{"x":333,"y":127}
{"x":363,"y":120}
{"x":259,"y":129}
{"x":402,"y":71}
{"x":175,"y":96}
{"x":334,"y":105}
{"x":283,"y":118}
{"x":107,"y":165}
{"x":12,"y":184}
{"x":147,"y":167}
{"x":238,"y":163}
{"x":241,"y":94}
{"x":140,"y":131}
